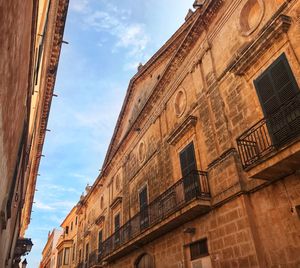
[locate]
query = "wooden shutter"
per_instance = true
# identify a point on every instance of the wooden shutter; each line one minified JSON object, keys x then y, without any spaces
{"x":199,"y":249}
{"x":100,"y":238}
{"x":143,"y":198}
{"x":275,"y":88}
{"x":190,"y":179}
{"x":117,"y":222}
{"x":187,"y":160}
{"x":144,"y":217}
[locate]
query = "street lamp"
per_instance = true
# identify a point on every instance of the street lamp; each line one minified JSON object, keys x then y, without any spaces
{"x":24,"y":263}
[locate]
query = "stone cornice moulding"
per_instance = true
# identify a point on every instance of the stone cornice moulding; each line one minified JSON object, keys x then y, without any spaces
{"x":100,"y":219}
{"x":60,"y":14}
{"x":116,"y":202}
{"x":252,"y":51}
{"x":182,"y":129}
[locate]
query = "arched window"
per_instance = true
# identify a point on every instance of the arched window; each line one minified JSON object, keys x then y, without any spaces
{"x":144,"y":261}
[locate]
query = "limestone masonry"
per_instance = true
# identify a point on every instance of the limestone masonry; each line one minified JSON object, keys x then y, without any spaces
{"x":203,"y":169}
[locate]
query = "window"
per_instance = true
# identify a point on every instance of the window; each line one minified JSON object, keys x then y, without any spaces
{"x":59,"y":258}
{"x":86,"y":252}
{"x":102,"y":202}
{"x":71,"y":226}
{"x":188,"y":170}
{"x":76,"y":219}
{"x":67,"y":256}
{"x":80,"y":256}
{"x":100,"y":240}
{"x":143,"y":198}
{"x":275,"y":87}
{"x":199,"y":249}
{"x":117,"y":227}
{"x":73,"y":252}
{"x":144,"y":261}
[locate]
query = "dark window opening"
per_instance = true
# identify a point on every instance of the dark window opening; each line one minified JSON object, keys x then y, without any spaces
{"x":144,"y":218}
{"x":100,"y":242}
{"x":188,"y":167}
{"x":117,"y":227}
{"x":199,"y":249}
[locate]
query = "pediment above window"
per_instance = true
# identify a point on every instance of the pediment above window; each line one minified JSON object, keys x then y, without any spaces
{"x":180,"y":130}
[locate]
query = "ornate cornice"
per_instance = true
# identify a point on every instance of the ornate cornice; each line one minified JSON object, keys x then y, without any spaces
{"x":100,"y":219}
{"x":179,"y":131}
{"x":251,"y":52}
{"x":50,"y":77}
{"x":116,"y":202}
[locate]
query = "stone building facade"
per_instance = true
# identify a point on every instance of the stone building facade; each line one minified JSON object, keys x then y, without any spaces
{"x":66,"y":245}
{"x":49,"y":254}
{"x":30,"y":41}
{"x":203,"y":166}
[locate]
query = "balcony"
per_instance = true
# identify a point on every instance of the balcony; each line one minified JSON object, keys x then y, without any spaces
{"x":186,"y":199}
{"x":268,"y":149}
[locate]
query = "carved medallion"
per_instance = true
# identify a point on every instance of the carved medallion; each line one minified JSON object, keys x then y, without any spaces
{"x":251,"y":16}
{"x":180,"y":102}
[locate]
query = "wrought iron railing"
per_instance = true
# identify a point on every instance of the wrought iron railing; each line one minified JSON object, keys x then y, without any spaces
{"x":93,"y":258}
{"x":270,"y":133}
{"x":193,"y":186}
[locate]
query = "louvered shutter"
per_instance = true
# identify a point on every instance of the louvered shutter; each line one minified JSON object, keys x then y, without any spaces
{"x":188,"y":165}
{"x":100,"y":240}
{"x":276,"y":87}
{"x":117,"y":228}
{"x":117,"y":222}
{"x":144,"y":218}
{"x":187,"y":160}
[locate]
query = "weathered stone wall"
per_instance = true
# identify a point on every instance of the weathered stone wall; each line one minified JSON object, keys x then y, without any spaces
{"x":211,"y":100}
{"x":15,"y":42}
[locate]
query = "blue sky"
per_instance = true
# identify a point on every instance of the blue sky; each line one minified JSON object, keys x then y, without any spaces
{"x":108,"y":39}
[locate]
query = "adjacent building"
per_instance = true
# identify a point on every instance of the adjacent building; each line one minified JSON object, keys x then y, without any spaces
{"x":66,"y":245}
{"x":203,"y":169}
{"x":30,"y":40}
{"x":49,"y":254}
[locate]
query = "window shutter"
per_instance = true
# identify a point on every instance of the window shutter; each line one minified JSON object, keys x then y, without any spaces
{"x":143,"y":198}
{"x":276,"y":86}
{"x":100,"y":240}
{"x":275,"y":89}
{"x":187,"y":160}
{"x":199,"y":249}
{"x":283,"y":79}
{"x":117,"y":222}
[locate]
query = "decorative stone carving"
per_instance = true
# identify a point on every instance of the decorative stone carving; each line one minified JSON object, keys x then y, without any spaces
{"x":178,"y":132}
{"x":180,"y":102}
{"x":142,"y":151}
{"x":251,"y":52}
{"x":251,"y":16}
{"x":117,"y":182}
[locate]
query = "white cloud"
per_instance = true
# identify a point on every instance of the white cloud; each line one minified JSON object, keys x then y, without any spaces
{"x":80,"y":6}
{"x":42,"y":206}
{"x":116,"y":22}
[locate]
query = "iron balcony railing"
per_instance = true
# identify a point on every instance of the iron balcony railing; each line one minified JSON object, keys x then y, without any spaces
{"x":193,"y":186}
{"x":270,"y":133}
